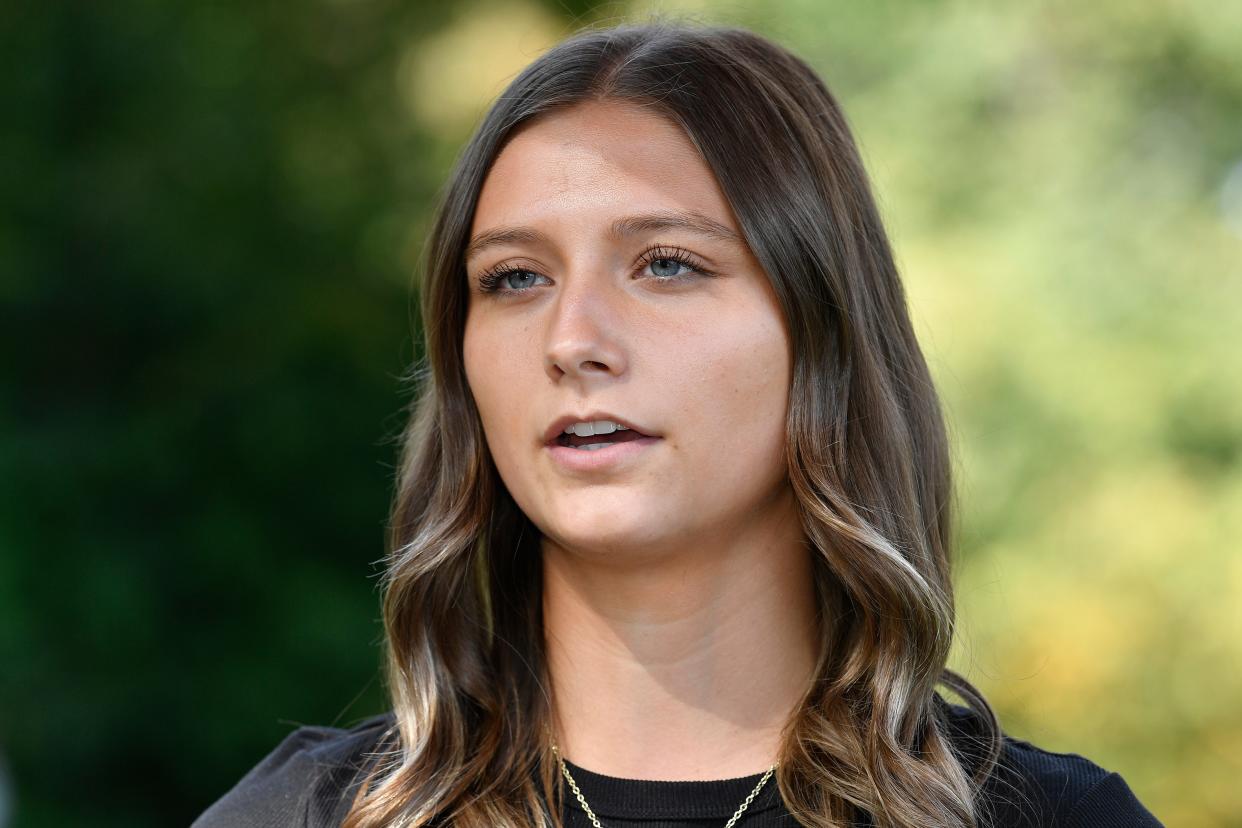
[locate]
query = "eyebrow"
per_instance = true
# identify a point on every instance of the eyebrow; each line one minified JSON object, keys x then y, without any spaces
{"x":689,"y":220}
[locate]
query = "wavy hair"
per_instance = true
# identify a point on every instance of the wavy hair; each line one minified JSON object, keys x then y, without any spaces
{"x":868,"y":460}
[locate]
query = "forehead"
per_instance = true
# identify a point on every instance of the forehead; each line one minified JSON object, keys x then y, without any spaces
{"x":595,"y":155}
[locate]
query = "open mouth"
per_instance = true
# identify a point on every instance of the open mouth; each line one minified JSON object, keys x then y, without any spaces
{"x":598,"y":441}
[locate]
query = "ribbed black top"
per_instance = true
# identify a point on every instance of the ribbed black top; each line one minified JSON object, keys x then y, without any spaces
{"x":664,"y":804}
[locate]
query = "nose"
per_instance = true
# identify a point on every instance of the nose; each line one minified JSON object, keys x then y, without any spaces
{"x":584,"y":332}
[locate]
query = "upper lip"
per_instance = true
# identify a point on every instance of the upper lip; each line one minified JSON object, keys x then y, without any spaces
{"x":558,"y":426}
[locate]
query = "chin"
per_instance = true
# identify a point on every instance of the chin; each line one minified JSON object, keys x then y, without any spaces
{"x":604,"y":531}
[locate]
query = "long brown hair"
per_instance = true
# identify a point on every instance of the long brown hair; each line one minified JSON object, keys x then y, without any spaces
{"x":868,"y":459}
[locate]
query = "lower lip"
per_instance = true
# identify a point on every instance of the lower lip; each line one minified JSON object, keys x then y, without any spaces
{"x":605,"y":459}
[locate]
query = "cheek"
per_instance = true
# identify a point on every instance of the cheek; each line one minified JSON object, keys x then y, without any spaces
{"x":485,"y":374}
{"x":740,"y":397}
{"x":501,"y":383}
{"x":488,"y":361}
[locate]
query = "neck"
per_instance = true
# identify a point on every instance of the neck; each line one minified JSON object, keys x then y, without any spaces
{"x":686,"y":666}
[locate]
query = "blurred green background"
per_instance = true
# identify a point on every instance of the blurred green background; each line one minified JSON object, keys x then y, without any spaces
{"x":212,"y":217}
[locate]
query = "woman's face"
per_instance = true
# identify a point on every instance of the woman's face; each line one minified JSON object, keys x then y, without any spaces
{"x":587,"y":211}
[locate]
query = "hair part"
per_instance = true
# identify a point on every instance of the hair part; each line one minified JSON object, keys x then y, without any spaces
{"x":867,"y":450}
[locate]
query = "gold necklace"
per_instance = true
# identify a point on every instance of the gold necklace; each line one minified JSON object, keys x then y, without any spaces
{"x":582,"y":800}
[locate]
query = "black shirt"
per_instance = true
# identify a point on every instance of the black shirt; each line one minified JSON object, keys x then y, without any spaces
{"x":309,"y":779}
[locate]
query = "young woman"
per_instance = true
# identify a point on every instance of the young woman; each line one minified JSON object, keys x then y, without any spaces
{"x":672,"y":536}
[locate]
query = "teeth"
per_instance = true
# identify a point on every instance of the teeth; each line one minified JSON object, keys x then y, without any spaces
{"x":594,"y":446}
{"x":590,"y":429}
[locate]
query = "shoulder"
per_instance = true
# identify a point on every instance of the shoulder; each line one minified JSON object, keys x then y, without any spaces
{"x":1031,"y":787}
{"x":303,"y":781}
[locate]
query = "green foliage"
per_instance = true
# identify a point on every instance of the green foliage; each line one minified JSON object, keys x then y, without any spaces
{"x":206,"y":315}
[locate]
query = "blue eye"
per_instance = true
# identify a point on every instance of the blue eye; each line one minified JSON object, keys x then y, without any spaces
{"x":524,"y":273}
{"x":673,"y":264}
{"x":669,"y":259}
{"x":490,"y":282}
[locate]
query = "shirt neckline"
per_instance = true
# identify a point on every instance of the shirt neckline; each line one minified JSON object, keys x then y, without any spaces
{"x":653,"y":799}
{"x":617,"y":796}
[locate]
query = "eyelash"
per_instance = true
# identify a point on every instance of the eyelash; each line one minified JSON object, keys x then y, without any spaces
{"x":489,"y":281}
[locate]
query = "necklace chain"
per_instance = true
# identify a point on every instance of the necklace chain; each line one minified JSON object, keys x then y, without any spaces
{"x":595,"y":822}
